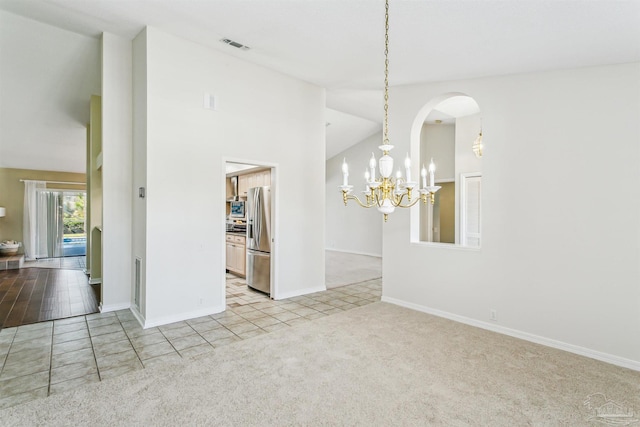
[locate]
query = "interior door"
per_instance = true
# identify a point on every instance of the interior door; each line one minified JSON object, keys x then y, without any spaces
{"x":470,"y":209}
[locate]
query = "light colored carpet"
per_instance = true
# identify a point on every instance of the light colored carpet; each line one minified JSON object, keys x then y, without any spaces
{"x":343,"y":268}
{"x":377,"y":365}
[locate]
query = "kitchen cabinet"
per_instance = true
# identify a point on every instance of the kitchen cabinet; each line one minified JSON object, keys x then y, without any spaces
{"x":255,"y":179}
{"x":236,"y":254}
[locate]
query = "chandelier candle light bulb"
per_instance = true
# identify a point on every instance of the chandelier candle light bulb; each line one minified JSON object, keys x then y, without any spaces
{"x":387,"y":192}
{"x":345,"y":172}
{"x":432,"y":173}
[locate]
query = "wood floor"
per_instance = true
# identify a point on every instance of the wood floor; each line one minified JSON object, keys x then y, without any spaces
{"x":31,"y":295}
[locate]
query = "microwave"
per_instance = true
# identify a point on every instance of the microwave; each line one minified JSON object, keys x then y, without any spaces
{"x":237,"y":209}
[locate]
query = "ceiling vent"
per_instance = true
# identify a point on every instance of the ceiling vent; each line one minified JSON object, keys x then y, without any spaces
{"x":235,"y":44}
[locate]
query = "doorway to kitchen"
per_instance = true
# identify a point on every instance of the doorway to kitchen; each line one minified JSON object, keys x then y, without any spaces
{"x":249,"y":221}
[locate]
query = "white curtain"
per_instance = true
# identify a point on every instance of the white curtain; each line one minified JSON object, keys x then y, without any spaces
{"x":30,"y":218}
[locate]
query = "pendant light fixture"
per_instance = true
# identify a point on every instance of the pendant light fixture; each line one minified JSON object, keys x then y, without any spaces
{"x":387,"y":192}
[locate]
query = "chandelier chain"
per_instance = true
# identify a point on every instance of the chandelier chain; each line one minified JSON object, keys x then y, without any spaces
{"x":386,"y":74}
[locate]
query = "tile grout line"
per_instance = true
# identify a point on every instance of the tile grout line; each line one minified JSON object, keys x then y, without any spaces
{"x":93,"y":350}
{"x":131,"y":342}
{"x":53,"y":329}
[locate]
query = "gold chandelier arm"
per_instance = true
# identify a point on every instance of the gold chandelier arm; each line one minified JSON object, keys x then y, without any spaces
{"x":346,"y":197}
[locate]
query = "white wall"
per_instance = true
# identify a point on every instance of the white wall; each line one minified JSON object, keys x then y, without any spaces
{"x":47,"y":76}
{"x":467,"y":130}
{"x":263,"y":117}
{"x":352,"y":228}
{"x":139,"y":159}
{"x":558,"y":263}
{"x":438,"y":142}
{"x":116,"y":172}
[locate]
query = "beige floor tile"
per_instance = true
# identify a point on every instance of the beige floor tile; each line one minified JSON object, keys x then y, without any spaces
{"x":225,"y":341}
{"x":69,"y":320}
{"x":251,"y":334}
{"x":71,"y":357}
{"x":175,"y":325}
{"x":275,"y":327}
{"x":108,"y":338}
{"x":33,"y":334}
{"x":22,"y":369}
{"x":73,"y":384}
{"x":15,"y":399}
{"x":242,"y":327}
{"x":139,"y":332}
{"x":165,"y":359}
{"x":154,"y":350}
{"x":298,"y":321}
{"x":70,"y":336}
{"x":252,"y":315}
{"x":7,"y":335}
{"x":106,"y":329}
{"x":198,"y":320}
{"x":145,"y":340}
{"x":333,"y":311}
{"x":68,"y":346}
{"x":99,"y":315}
{"x":35,"y":327}
{"x":188,"y":341}
{"x":24,"y":383}
{"x":206,"y":326}
{"x":265,"y":321}
{"x":229,"y":321}
{"x":197,"y":350}
{"x":28,"y":345}
{"x":103,"y":321}
{"x":315,"y":315}
{"x":112,"y":348}
{"x":217,"y":334}
{"x":73,"y":371}
{"x":273,"y":310}
{"x":114,"y":360}
{"x":286,"y":316}
{"x":121,"y":369}
{"x":178,"y":332}
{"x":41,"y":354}
{"x":304,"y":311}
{"x":71,"y":327}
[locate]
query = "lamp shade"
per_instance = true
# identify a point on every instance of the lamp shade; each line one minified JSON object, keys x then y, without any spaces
{"x":2,"y":212}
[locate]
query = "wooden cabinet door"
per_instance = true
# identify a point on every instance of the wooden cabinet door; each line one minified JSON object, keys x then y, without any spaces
{"x":266,"y":177}
{"x":231,"y":254}
{"x":242,"y":185}
{"x":240,"y":258}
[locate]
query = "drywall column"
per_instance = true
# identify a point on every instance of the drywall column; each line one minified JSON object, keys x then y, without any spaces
{"x":139,"y":218}
{"x":116,"y":172}
{"x":94,"y":188}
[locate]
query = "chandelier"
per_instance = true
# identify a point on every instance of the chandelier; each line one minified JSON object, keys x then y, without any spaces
{"x":387,"y":192}
{"x":477,"y":145}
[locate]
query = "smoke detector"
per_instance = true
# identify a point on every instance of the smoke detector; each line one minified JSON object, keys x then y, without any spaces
{"x":235,"y":44}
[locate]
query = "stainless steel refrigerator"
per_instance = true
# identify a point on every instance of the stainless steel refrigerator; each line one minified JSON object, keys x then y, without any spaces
{"x":259,"y":238}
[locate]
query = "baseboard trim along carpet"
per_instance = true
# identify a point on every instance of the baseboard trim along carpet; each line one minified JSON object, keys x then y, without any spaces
{"x":151,"y":323}
{"x":582,"y":351}
{"x":375,"y":365}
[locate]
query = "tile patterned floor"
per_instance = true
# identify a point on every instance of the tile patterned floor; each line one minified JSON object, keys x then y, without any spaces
{"x":52,"y":357}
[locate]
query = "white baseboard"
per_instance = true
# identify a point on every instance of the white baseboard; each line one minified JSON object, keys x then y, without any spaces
{"x":139,"y":317}
{"x":114,"y":307}
{"x":353,"y":252}
{"x":299,"y":292}
{"x":150,"y":323}
{"x":571,"y":348}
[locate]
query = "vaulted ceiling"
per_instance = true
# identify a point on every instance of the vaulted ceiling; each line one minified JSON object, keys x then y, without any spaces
{"x":338,"y":44}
